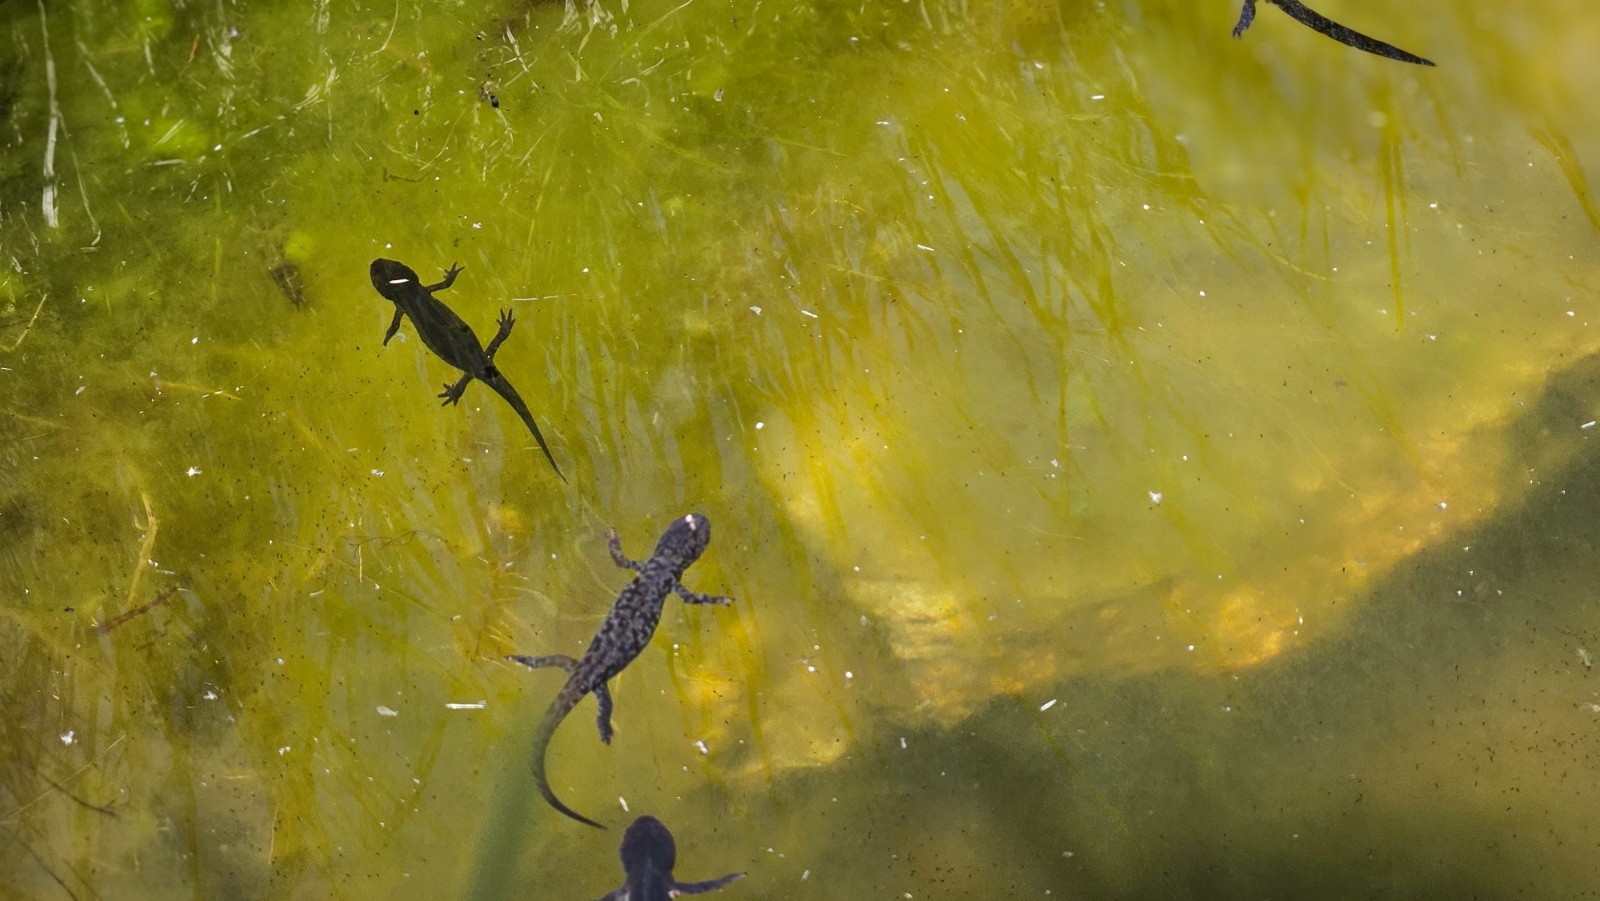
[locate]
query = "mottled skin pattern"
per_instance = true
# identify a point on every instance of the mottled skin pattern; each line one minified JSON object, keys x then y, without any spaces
{"x":625,"y":632}
{"x":449,"y":336}
{"x":1324,"y":25}
{"x":648,"y":856}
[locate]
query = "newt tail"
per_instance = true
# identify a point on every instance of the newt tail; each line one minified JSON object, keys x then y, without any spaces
{"x":503,"y":388}
{"x":558,"y":710}
{"x":1323,"y":25}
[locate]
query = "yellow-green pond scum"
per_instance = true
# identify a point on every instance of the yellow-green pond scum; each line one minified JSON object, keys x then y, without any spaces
{"x":1148,"y":464}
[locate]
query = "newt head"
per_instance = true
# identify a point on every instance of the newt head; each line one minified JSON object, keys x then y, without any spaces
{"x":685,"y":540}
{"x":647,"y":847}
{"x":392,"y":278}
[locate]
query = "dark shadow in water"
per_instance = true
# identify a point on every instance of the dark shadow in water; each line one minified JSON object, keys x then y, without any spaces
{"x":1440,"y":744}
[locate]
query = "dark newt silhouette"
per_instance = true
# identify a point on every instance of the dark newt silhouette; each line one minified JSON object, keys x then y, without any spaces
{"x":648,"y":856}
{"x":449,"y":336}
{"x":1324,"y":25}
{"x":625,"y":632}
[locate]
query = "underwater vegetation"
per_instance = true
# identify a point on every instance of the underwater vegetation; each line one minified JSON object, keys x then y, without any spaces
{"x":1148,"y":464}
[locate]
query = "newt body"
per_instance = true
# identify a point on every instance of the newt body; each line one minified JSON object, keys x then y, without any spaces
{"x":1324,"y":25}
{"x":625,"y":632}
{"x":648,"y":856}
{"x":450,"y":338}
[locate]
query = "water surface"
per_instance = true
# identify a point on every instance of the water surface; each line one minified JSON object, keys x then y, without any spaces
{"x":1148,"y":464}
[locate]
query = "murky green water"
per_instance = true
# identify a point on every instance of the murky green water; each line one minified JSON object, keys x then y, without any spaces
{"x":1148,"y":464}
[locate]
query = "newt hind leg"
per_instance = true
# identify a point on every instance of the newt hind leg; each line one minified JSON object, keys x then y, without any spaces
{"x":559,"y":661}
{"x":1246,"y":16}
{"x":602,"y":695}
{"x":452,"y":393}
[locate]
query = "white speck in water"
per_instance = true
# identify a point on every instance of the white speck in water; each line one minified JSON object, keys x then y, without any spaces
{"x":760,"y":426}
{"x":810,"y":669}
{"x":849,"y":675}
{"x":475,"y":705}
{"x":1583,"y":657}
{"x":209,"y":695}
{"x":1444,"y":505}
{"x":806,"y":875}
{"x":378,"y":473}
{"x":902,"y":742}
{"x":387,"y":711}
{"x":624,"y":802}
{"x":81,"y":389}
{"x":195,"y":340}
{"x":717,"y":95}
{"x":192,"y":471}
{"x":1047,"y":705}
{"x":283,"y":750}
{"x":1587,"y":425}
{"x":69,"y":736}
{"x":702,"y":746}
{"x":809,"y":313}
{"x":1191,"y":647}
{"x":1155,"y":497}
{"x":1097,"y":96}
{"x":280,"y":661}
{"x":925,"y":247}
{"x":756,"y":310}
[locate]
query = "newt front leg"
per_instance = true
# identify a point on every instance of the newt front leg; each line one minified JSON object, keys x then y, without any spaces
{"x":394,"y":326}
{"x":449,"y":279}
{"x":506,"y":322}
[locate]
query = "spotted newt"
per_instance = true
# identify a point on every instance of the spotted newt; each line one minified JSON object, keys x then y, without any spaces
{"x":624,"y":633}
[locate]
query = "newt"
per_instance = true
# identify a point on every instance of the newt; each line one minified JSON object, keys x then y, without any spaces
{"x":1323,"y":25}
{"x":648,"y":856}
{"x":450,"y":338}
{"x":624,"y":633}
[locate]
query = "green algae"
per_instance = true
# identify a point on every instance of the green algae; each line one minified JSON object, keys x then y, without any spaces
{"x":1014,"y":350}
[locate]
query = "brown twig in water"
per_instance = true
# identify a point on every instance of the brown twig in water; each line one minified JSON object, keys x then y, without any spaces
{"x":94,"y":807}
{"x":140,"y":610}
{"x":46,"y":867}
{"x":29,"y":327}
{"x":146,"y":547}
